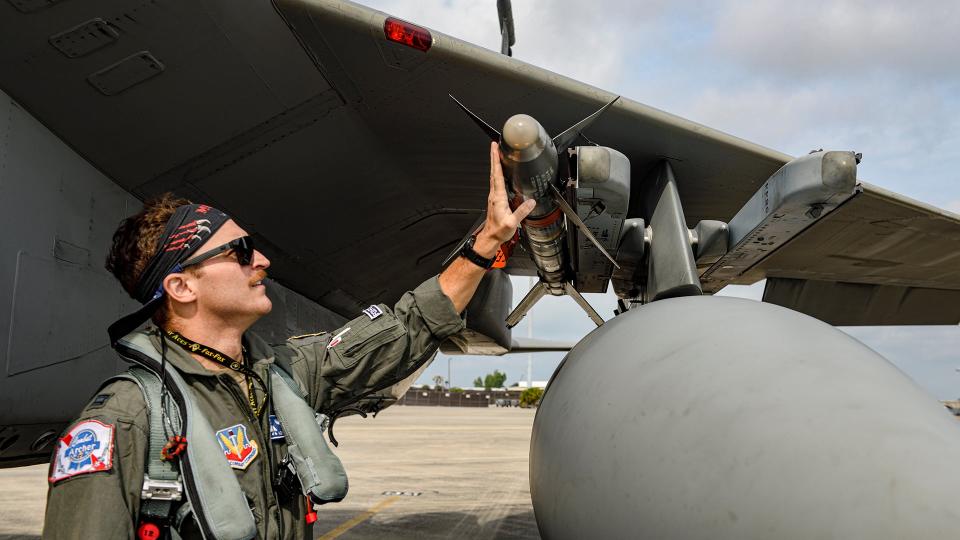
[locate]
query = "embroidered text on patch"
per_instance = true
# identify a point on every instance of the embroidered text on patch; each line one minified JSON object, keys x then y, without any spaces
{"x":86,"y":448}
{"x":373,"y":312}
{"x":239,"y":449}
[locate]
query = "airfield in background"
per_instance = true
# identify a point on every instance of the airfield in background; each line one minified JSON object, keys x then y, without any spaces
{"x":415,"y":473}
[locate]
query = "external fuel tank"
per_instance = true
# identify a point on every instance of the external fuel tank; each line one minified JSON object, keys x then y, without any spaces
{"x":721,"y":418}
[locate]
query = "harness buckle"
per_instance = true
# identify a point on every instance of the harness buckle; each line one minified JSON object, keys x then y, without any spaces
{"x":161,"y":490}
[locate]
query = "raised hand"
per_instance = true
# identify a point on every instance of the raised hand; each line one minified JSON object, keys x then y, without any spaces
{"x":502,"y":221}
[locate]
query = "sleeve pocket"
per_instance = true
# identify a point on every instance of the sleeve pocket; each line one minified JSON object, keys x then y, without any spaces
{"x":381,"y":336}
{"x":366,"y":335}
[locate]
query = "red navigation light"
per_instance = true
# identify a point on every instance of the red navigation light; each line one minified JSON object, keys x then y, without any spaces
{"x":407,"y":34}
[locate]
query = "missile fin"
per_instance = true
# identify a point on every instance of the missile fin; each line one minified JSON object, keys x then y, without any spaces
{"x":572,"y":216}
{"x":584,"y":137}
{"x":578,"y":298}
{"x":491,"y":132}
{"x":565,"y":139}
{"x":532,"y":297}
{"x":477,"y":225}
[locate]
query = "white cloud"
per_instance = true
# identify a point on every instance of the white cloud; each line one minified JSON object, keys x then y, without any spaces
{"x":908,"y":136}
{"x":840,"y":39}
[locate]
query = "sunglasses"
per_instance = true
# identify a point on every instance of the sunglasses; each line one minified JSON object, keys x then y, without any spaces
{"x":242,"y":246}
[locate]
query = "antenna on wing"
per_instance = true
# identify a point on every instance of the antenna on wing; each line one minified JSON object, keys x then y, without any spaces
{"x":507,"y":38}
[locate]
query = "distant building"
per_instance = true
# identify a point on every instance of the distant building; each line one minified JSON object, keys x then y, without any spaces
{"x":536,"y":384}
{"x":499,"y":397}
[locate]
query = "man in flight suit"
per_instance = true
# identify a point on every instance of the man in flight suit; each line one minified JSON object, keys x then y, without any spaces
{"x":206,"y":287}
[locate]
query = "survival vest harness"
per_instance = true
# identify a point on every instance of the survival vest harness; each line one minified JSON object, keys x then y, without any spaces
{"x":214,"y":496}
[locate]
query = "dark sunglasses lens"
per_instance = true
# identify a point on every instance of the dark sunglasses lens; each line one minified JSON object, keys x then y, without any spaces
{"x":245,"y":251}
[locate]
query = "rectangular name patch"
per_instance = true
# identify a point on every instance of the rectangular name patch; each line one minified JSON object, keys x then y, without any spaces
{"x":373,"y":312}
{"x":276,"y":430}
{"x":86,"y":448}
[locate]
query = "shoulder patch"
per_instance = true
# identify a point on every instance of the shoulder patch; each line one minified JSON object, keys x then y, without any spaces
{"x":373,"y":312}
{"x":86,"y":448}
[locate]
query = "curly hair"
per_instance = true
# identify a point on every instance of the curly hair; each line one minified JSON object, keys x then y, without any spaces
{"x":135,"y":242}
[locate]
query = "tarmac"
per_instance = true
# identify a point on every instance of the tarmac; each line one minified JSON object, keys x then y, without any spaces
{"x":415,"y":473}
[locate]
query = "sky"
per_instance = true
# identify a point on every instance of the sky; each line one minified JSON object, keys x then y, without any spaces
{"x":874,"y":76}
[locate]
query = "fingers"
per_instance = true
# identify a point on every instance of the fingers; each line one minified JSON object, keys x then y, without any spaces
{"x":496,"y":172}
{"x":493,"y":157}
{"x":501,"y":221}
{"x":524,"y":209}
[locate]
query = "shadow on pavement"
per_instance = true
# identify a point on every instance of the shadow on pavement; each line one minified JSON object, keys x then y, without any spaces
{"x":430,"y":525}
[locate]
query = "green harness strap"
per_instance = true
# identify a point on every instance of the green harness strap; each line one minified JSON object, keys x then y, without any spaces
{"x":161,"y":483}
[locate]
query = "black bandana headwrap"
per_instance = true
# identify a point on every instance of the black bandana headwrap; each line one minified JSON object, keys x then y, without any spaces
{"x":190,"y":226}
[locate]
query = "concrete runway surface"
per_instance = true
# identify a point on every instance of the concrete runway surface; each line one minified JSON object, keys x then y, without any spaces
{"x":415,"y":472}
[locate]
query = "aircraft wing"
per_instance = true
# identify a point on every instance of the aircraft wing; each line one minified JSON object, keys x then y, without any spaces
{"x":880,"y":258}
{"x":342,"y":151}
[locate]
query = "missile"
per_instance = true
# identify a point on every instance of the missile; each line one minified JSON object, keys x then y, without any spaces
{"x":530,"y":161}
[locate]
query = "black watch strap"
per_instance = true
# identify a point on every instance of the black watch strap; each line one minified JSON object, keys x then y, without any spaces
{"x":474,"y":257}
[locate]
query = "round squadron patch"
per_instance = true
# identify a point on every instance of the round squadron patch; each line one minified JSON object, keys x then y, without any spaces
{"x":239,"y":449}
{"x":86,"y":448}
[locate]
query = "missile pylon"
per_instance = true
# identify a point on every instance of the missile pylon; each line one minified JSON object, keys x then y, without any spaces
{"x":530,"y":161}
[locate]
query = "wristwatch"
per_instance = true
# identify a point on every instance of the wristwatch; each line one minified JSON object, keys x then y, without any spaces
{"x":467,"y":252}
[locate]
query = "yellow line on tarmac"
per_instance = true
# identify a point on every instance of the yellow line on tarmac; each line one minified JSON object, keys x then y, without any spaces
{"x":347,"y":525}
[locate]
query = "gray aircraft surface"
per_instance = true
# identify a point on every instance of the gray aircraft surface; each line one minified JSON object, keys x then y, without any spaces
{"x":328,"y":129}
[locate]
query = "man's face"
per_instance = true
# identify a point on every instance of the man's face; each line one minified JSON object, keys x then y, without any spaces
{"x":226,"y":290}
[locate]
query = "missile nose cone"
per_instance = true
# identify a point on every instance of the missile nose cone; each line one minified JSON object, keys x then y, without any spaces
{"x":521,"y":131}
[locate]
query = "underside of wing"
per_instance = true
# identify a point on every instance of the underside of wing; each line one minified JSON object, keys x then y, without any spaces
{"x":879,"y":258}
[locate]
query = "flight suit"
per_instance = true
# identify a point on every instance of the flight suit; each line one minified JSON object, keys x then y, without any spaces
{"x":366,"y":364}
